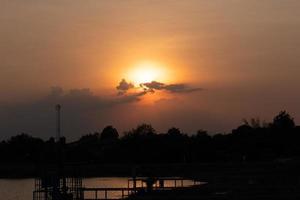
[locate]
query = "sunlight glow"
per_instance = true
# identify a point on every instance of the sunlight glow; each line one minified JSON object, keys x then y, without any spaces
{"x":146,"y":72}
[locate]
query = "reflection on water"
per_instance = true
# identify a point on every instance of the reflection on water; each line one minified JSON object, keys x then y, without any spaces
{"x":16,"y":189}
{"x":21,"y":189}
{"x":115,"y":182}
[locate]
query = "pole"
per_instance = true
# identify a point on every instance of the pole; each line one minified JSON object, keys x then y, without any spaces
{"x":61,"y":173}
{"x":58,"y":108}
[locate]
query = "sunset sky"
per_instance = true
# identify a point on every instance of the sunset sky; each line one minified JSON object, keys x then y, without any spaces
{"x":192,"y":64}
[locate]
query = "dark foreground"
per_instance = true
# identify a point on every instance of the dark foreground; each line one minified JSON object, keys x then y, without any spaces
{"x":209,"y":192}
{"x":250,"y":181}
{"x":278,"y":179}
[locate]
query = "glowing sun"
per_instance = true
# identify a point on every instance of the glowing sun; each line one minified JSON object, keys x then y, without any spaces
{"x":146,"y":72}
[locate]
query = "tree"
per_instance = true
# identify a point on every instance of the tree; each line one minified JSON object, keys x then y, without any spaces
{"x":254,"y":123}
{"x":202,"y":133}
{"x":174,"y":132}
{"x":109,"y":133}
{"x":89,"y":138}
{"x":283,"y":121}
{"x":143,"y":130}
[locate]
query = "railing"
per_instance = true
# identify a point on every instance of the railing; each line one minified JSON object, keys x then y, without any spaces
{"x":121,"y":193}
{"x":176,"y":182}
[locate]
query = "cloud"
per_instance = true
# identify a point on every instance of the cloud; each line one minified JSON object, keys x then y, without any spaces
{"x":181,"y":88}
{"x":153,"y":85}
{"x":82,"y":112}
{"x":174,"y":88}
{"x":128,"y":98}
{"x":124,"y":86}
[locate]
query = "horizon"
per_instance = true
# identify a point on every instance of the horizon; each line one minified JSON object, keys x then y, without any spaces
{"x":254,"y":123}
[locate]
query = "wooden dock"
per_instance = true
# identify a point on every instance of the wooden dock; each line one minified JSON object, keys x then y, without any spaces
{"x":134,"y":186}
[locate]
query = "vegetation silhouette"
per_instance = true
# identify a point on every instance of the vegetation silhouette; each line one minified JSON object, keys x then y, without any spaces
{"x":251,"y":141}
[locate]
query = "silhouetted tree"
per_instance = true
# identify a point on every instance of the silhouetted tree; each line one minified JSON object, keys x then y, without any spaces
{"x":174,"y":132}
{"x":24,"y":147}
{"x":202,"y":133}
{"x":109,"y":133}
{"x":89,"y":138}
{"x":143,"y":130}
{"x":249,"y":142}
{"x":283,"y":121}
{"x":254,"y":123}
{"x":244,"y":129}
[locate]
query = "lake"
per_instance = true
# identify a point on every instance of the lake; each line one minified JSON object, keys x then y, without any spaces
{"x":21,"y":189}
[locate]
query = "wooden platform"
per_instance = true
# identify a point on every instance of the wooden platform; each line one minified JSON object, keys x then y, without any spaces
{"x":121,"y":193}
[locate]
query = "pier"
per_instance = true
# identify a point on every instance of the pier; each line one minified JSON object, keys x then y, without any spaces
{"x":136,"y":185}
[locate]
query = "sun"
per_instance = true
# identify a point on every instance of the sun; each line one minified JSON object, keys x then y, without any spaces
{"x":146,"y":72}
{"x":144,"y":75}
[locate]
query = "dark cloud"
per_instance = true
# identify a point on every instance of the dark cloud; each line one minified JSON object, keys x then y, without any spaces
{"x":82,"y":112}
{"x":124,"y":86}
{"x":174,"y":88}
{"x":181,"y":88}
{"x":150,"y":87}
{"x":153,"y":85}
{"x":128,"y":98}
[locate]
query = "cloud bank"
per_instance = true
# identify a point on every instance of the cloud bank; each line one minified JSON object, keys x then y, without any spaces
{"x":151,"y":87}
{"x":82,"y":111}
{"x":174,"y":88}
{"x":124,"y":86}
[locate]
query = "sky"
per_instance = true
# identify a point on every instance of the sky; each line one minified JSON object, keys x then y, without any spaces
{"x":192,"y":64}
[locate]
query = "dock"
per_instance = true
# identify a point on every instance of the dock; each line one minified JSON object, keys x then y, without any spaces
{"x":135,"y":186}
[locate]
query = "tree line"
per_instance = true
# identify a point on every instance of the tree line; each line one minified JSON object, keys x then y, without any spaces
{"x":251,"y":141}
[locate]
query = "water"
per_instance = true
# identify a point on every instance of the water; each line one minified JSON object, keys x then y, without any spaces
{"x":16,"y":189}
{"x":21,"y":189}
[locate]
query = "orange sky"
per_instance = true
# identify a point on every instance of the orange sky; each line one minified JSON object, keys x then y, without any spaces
{"x":244,"y":54}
